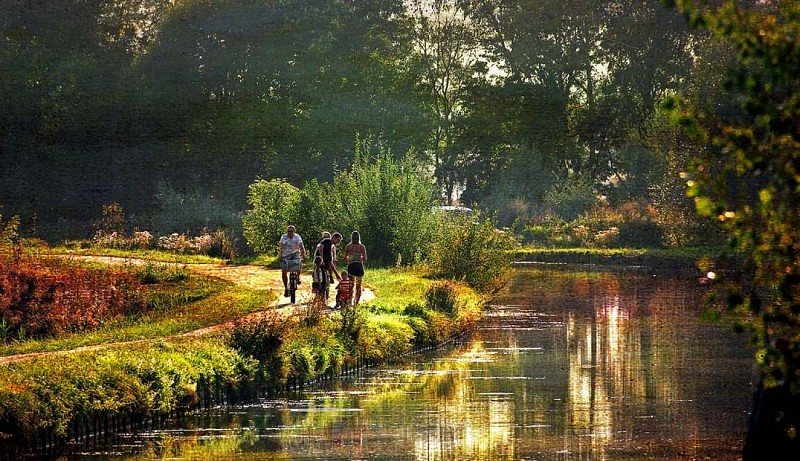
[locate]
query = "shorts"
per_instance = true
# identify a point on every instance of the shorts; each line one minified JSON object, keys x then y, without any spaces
{"x":355,"y":269}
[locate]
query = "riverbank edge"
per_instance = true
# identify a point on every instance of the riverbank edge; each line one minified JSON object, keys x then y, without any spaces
{"x":34,"y":412}
{"x":50,"y":401}
{"x":684,"y":260}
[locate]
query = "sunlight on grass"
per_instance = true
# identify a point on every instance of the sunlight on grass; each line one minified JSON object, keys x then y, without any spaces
{"x":151,"y":255}
{"x":397,"y":287}
{"x":224,"y":306}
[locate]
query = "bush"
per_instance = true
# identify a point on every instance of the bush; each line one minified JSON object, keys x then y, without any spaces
{"x":263,"y":339}
{"x":641,"y":234}
{"x":112,"y":220}
{"x":41,"y":299}
{"x":274,"y":206}
{"x":630,"y":224}
{"x":443,"y":297}
{"x":217,"y":243}
{"x":389,"y":202}
{"x":472,"y":250}
{"x":8,"y":230}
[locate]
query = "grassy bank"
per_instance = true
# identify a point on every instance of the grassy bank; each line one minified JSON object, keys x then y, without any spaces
{"x":56,"y":397}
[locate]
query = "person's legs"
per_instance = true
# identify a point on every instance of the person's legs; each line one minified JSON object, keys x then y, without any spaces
{"x":285,"y":279}
{"x":357,"y":290}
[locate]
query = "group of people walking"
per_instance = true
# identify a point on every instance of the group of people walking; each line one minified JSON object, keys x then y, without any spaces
{"x":355,"y":254}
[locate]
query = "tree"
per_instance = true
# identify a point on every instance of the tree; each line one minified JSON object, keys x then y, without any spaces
{"x":273,"y":206}
{"x":388,"y":201}
{"x":446,"y":53}
{"x":753,"y":187}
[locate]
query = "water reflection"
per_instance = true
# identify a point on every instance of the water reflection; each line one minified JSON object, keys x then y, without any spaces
{"x":586,"y":366}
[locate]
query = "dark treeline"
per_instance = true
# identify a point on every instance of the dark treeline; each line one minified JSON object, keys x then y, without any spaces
{"x":521,"y":108}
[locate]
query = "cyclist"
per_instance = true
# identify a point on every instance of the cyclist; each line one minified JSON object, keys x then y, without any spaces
{"x":291,"y":248}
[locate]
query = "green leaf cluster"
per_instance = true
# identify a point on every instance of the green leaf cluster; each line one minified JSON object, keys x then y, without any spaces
{"x":751,"y":183}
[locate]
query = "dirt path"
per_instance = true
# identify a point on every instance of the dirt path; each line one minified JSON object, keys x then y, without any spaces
{"x":252,"y":277}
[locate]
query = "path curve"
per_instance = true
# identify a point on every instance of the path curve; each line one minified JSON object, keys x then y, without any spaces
{"x":249,"y":276}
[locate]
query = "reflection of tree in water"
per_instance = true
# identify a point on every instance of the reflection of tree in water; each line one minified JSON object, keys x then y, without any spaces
{"x":587,"y":365}
{"x":637,"y":348}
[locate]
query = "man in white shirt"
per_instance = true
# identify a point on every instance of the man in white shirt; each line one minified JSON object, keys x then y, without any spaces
{"x":291,"y":248}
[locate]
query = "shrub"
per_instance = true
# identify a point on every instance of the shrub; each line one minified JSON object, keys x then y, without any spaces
{"x":41,"y":299}
{"x":138,"y":240}
{"x":112,"y":220}
{"x":473,"y":250}
{"x":641,"y":234}
{"x":263,"y":339}
{"x":443,"y":297}
{"x":570,"y":198}
{"x":274,"y":206}
{"x":216,"y":243}
{"x":316,"y":212}
{"x":389,"y":202}
{"x":8,"y":230}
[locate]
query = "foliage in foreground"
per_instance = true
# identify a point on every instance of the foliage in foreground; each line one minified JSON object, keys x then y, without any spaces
{"x":752,"y":186}
{"x":41,"y":298}
{"x":50,"y":394}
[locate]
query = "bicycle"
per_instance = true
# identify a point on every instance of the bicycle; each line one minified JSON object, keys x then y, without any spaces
{"x":293,"y":267}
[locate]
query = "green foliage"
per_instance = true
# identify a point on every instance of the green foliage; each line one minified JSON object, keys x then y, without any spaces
{"x":752,"y":188}
{"x":388,"y":201}
{"x":148,"y":380}
{"x":263,"y":339}
{"x":273,"y":207}
{"x":441,"y":297}
{"x":570,"y":198}
{"x":471,"y":249}
{"x":312,"y":352}
{"x":155,"y":272}
{"x":8,"y":230}
{"x":316,"y":212}
{"x":384,"y":337}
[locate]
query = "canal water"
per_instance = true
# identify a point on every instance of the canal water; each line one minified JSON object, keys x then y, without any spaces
{"x":568,"y":365}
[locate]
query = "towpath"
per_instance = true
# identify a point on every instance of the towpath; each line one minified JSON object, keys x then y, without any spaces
{"x":249,"y":276}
